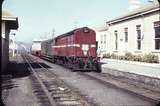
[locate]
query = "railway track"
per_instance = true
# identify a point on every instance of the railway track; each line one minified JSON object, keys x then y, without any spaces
{"x":131,"y":87}
{"x":49,"y":89}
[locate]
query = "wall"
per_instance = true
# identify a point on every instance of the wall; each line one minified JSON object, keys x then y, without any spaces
{"x":102,"y":42}
{"x":147,"y":28}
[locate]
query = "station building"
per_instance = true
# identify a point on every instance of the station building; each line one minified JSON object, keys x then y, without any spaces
{"x":9,"y":22}
{"x":137,"y":32}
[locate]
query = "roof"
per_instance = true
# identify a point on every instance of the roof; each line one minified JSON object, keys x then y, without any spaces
{"x":6,"y":13}
{"x":145,"y":9}
{"x":10,"y":19}
{"x":101,"y":28}
{"x":70,"y":33}
{"x":66,"y":34}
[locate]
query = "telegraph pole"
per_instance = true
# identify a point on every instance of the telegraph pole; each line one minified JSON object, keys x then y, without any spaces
{"x":53,"y":33}
{"x":75,"y":24}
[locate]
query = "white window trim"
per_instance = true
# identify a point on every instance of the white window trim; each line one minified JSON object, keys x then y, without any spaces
{"x":155,"y":51}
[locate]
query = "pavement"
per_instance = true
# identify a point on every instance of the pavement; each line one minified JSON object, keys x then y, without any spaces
{"x":140,"y":68}
{"x":16,"y":86}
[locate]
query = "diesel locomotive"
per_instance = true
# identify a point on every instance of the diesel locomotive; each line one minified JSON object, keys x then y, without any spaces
{"x":75,"y":50}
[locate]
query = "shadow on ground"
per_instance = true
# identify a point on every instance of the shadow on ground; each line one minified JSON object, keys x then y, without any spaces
{"x":39,"y":65}
{"x":13,"y":71}
{"x":17,"y":70}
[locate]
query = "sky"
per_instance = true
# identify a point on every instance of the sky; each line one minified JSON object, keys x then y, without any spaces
{"x":40,"y":18}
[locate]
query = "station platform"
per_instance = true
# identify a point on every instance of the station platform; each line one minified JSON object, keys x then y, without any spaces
{"x":142,"y":72}
{"x":147,"y":69}
{"x":16,"y":86}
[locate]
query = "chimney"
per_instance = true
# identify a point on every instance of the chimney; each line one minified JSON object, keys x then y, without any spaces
{"x":133,"y":4}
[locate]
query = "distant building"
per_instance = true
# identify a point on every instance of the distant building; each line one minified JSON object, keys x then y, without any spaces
{"x":8,"y":22}
{"x":137,"y":32}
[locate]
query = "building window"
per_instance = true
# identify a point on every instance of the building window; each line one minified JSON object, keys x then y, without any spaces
{"x":116,"y":39}
{"x":138,"y":28}
{"x":126,"y":34}
{"x":104,"y":41}
{"x":101,"y":39}
{"x":157,"y":35}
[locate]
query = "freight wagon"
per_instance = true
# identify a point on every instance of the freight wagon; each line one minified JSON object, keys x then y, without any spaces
{"x":36,"y":47}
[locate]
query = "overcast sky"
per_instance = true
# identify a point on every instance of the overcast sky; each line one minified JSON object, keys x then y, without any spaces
{"x":38,"y":18}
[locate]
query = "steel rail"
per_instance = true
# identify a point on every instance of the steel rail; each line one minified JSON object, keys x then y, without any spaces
{"x":51,"y":100}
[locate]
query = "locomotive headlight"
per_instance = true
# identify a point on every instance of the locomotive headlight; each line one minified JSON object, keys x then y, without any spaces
{"x":85,"y":30}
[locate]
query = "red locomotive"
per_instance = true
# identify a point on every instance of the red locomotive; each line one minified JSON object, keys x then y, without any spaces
{"x":75,"y":49}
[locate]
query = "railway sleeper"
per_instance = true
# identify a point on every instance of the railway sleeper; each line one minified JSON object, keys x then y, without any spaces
{"x":48,"y":83}
{"x":69,"y":103}
{"x":52,"y":86}
{"x":39,"y":94}
{"x":55,"y":82}
{"x":61,"y":91}
{"x":42,"y":98}
{"x":52,"y":89}
{"x":38,"y":90}
{"x":67,"y":99}
{"x":61,"y":96}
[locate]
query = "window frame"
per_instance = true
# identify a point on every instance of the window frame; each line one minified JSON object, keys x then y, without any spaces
{"x":126,"y":34}
{"x":157,"y":36}
{"x":139,"y":37}
{"x":116,"y":39}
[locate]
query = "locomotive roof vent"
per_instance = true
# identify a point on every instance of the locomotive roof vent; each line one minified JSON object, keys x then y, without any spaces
{"x":86,"y":30}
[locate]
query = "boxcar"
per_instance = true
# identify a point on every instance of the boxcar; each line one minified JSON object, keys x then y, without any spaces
{"x":46,"y":47}
{"x":36,"y":48}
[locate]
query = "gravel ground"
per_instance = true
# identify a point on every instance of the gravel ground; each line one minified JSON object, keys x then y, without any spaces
{"x":101,"y":94}
{"x":17,"y":89}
